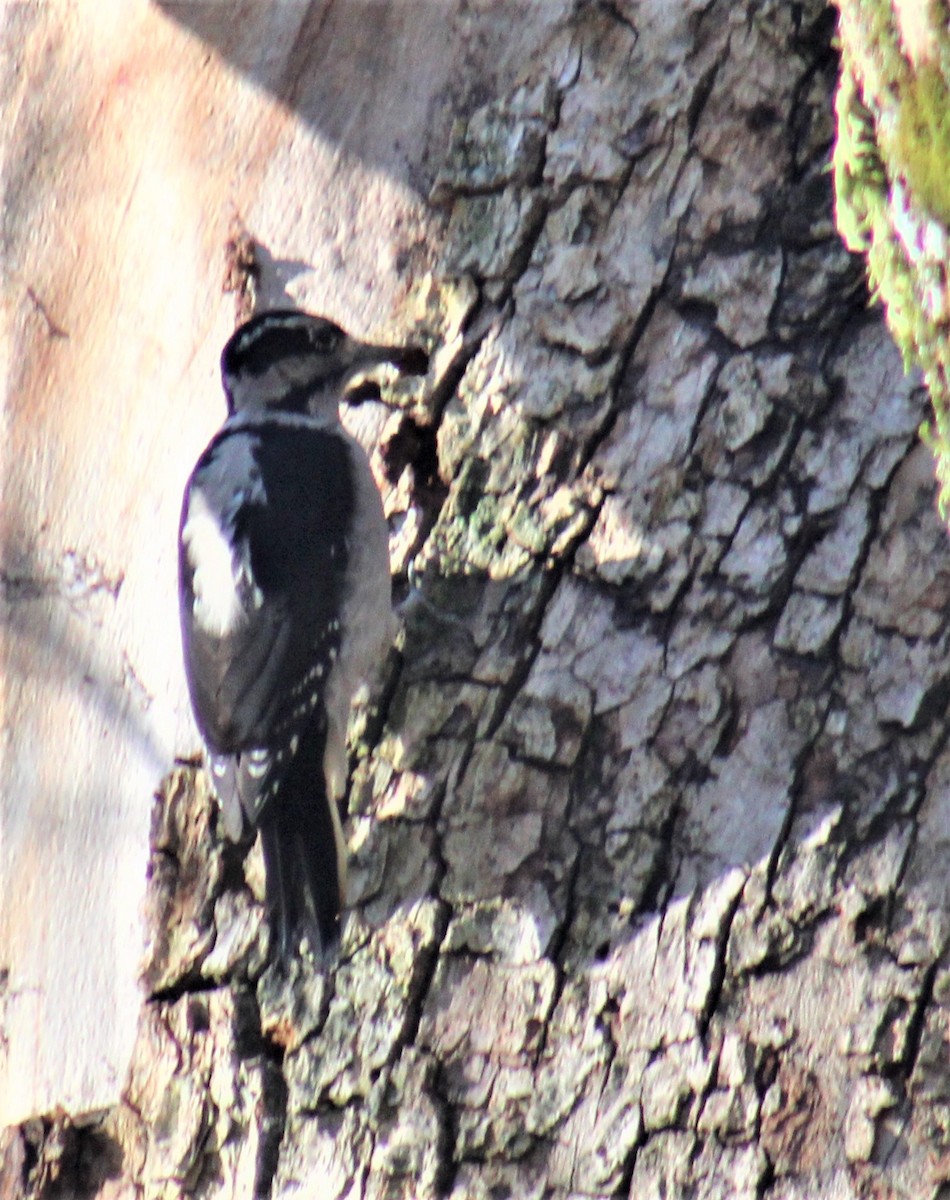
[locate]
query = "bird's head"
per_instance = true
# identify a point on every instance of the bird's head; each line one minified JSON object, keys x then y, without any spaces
{"x":291,"y":361}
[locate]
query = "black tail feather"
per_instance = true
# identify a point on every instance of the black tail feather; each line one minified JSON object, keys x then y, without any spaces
{"x":302,"y":859}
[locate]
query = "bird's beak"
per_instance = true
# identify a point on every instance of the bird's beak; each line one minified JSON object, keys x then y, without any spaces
{"x":408,"y":360}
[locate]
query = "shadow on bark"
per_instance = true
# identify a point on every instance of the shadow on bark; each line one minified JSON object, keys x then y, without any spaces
{"x":361,"y":75}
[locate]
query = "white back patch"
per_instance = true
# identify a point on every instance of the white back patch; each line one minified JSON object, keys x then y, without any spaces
{"x":217,"y":608}
{"x":222,"y":571}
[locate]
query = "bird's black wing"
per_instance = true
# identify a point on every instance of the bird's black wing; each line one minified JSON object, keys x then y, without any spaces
{"x":258,"y":657}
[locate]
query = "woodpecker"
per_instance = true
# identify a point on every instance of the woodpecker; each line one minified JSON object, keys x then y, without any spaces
{"x":285,"y":603}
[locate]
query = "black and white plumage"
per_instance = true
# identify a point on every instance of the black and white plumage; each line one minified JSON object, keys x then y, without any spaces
{"x":285,"y":600}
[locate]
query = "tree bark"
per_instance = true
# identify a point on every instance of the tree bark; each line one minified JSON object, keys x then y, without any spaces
{"x":647,"y":815}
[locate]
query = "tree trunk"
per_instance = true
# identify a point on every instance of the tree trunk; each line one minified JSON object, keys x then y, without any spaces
{"x":647,"y":812}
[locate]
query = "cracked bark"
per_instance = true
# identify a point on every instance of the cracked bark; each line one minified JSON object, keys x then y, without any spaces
{"x":647,"y":840}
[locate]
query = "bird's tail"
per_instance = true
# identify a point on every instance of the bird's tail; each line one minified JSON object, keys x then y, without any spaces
{"x":304,"y":857}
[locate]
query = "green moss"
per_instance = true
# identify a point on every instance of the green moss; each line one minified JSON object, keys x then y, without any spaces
{"x":863,"y":217}
{"x":894,"y":130}
{"x":922,"y":140}
{"x":859,"y":175}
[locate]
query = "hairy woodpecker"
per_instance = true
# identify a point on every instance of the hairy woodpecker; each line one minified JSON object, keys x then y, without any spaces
{"x":285,"y":602}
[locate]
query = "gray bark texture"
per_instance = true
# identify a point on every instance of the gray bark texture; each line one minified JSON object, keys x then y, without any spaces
{"x":648,"y":817}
